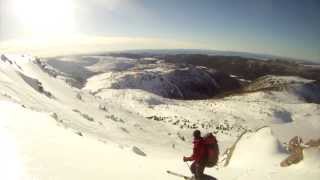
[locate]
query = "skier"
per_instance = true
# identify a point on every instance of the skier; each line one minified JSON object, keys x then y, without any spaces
{"x":198,"y":156}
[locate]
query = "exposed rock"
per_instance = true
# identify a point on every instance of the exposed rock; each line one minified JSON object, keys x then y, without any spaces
{"x":5,"y":59}
{"x":36,"y":85}
{"x":79,"y":133}
{"x":296,"y":152}
{"x":85,"y":116}
{"x":138,"y":151}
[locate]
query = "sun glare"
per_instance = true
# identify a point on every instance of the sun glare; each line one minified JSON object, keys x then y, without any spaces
{"x":40,"y":18}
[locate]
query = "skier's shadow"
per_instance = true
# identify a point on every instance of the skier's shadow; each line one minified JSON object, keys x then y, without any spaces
{"x":207,"y":177}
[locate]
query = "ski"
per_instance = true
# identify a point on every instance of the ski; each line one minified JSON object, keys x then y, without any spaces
{"x":179,"y":175}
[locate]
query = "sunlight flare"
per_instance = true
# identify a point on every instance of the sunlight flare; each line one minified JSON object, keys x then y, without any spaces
{"x":45,"y":17}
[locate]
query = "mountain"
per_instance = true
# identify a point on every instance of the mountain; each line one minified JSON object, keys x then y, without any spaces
{"x":248,"y":68}
{"x":166,"y":80}
{"x":201,"y":51}
{"x":302,"y":88}
{"x":53,"y":125}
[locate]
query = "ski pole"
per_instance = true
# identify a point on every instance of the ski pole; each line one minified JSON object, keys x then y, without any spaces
{"x":188,"y":165}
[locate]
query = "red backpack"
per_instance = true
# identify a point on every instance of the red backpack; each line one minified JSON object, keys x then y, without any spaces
{"x":212,"y":149}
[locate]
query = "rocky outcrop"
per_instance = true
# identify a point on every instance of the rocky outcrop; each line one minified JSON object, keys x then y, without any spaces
{"x":296,"y":149}
{"x":296,"y":152}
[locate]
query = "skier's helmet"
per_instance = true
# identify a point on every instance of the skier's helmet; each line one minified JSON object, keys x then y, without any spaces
{"x":196,"y":134}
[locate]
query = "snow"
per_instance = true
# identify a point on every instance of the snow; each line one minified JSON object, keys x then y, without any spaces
{"x":164,"y":79}
{"x":271,"y":81}
{"x":134,"y":134}
{"x":50,"y":152}
{"x":253,"y":146}
{"x":257,"y":155}
{"x":311,"y":160}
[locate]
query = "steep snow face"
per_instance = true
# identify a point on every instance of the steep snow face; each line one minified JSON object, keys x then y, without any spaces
{"x":166,"y":80}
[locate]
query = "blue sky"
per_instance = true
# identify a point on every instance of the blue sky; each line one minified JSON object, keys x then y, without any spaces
{"x":280,"y":27}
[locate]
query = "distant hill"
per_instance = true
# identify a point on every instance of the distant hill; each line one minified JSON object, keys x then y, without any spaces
{"x":258,"y":56}
{"x":248,"y":68}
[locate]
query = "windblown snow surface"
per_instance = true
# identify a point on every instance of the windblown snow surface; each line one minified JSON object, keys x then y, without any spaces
{"x":52,"y":130}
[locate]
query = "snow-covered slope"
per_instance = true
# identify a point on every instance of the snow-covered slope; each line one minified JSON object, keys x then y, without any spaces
{"x":148,"y":74}
{"x":302,"y":88}
{"x":52,"y":130}
{"x":35,"y":147}
{"x":27,"y":84}
{"x":166,"y":80}
{"x":257,"y":155}
{"x":254,"y":145}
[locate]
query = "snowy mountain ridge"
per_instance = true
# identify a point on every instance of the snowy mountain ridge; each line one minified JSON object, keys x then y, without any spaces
{"x":303,"y":88}
{"x":166,"y":80}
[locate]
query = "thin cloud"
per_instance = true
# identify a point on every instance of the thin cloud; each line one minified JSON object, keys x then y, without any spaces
{"x":88,"y":44}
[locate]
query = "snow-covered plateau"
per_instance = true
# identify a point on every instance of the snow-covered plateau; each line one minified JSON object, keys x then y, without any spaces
{"x":102,"y":117}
